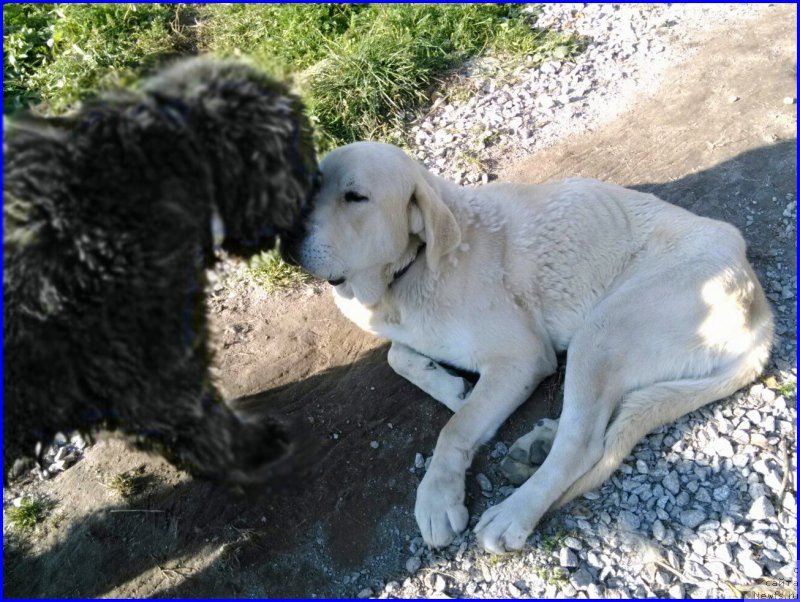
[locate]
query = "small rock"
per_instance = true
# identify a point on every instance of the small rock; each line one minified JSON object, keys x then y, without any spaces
{"x":733,"y":98}
{"x":723,"y":552}
{"x":567,"y":558}
{"x":761,"y":509}
{"x":629,"y":521}
{"x":581,"y":579}
{"x":514,"y":591}
{"x":439,"y":584}
{"x":484,"y":482}
{"x":413,"y":564}
{"x":722,"y":447}
{"x":789,"y":100}
{"x":365,"y":593}
{"x":573,"y":543}
{"x":676,"y":591}
{"x":374,"y":444}
{"x":748,"y":565}
{"x":692,"y":518}
{"x":671,"y":483}
{"x":658,"y":530}
{"x":419,"y":461}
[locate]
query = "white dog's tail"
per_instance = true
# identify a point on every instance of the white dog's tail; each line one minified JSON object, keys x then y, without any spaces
{"x":644,"y":410}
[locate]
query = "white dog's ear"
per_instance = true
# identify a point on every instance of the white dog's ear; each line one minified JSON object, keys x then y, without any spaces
{"x":431,"y":219}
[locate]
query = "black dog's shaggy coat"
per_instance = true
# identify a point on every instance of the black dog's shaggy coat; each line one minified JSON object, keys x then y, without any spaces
{"x":107,"y":234}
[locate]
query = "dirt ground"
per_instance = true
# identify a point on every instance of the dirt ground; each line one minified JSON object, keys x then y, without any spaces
{"x":345,"y":515}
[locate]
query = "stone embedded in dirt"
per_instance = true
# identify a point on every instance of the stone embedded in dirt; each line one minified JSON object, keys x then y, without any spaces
{"x":733,"y":98}
{"x":365,"y":593}
{"x":413,"y":564}
{"x":374,"y":444}
{"x":789,"y":100}
{"x":419,"y":461}
{"x":484,"y":482}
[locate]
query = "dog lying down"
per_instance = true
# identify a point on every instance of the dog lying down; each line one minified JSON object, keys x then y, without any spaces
{"x":110,"y":218}
{"x":658,"y":310}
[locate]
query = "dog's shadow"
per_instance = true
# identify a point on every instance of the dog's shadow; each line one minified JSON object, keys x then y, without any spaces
{"x":310,"y":528}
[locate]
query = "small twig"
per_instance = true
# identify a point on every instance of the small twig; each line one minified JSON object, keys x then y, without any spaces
{"x":676,"y":572}
{"x":785,"y":480}
{"x":441,"y":572}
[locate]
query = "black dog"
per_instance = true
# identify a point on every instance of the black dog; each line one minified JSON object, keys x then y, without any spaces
{"x":109,"y":226}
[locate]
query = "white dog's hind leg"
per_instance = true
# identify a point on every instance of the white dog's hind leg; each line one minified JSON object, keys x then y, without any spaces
{"x":589,"y":398}
{"x":431,"y":377}
{"x":529,"y":452}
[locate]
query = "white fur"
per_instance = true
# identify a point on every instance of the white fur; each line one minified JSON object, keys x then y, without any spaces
{"x":658,"y":309}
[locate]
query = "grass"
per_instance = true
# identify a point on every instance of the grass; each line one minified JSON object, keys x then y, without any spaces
{"x":552,"y":575}
{"x":127,"y":484}
{"x":552,"y":542}
{"x":268,"y":270}
{"x":28,"y":514}
{"x":364,"y":69}
{"x":787,"y":389}
{"x":56,"y":54}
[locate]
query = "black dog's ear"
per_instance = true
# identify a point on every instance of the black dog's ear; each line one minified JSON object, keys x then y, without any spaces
{"x":258,"y":142}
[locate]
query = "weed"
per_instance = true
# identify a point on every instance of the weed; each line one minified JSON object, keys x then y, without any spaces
{"x":551,"y":576}
{"x":28,"y":514}
{"x":129,"y":483}
{"x":787,"y":389}
{"x":271,"y":272}
{"x":551,"y":543}
{"x":470,"y":160}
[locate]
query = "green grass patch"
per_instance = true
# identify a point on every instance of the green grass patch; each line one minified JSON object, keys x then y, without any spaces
{"x":58,"y":53}
{"x":787,"y":389}
{"x":271,"y":272}
{"x":28,"y":514}
{"x":552,"y":575}
{"x":362,"y":69}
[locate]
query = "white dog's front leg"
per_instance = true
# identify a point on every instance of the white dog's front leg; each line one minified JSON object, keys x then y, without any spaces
{"x":429,"y":376}
{"x":504,"y":384}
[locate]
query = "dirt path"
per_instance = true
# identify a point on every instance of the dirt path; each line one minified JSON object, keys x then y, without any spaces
{"x":345,"y":520}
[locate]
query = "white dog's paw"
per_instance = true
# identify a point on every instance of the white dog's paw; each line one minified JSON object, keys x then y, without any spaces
{"x":440,"y":510}
{"x":529,"y":452}
{"x":504,"y":527}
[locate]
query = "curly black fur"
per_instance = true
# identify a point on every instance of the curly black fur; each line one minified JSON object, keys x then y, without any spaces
{"x":107,"y":236}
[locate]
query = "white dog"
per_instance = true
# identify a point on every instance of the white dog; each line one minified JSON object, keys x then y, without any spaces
{"x":658,"y":310}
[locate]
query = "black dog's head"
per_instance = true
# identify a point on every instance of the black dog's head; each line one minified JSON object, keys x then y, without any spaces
{"x":257,"y":141}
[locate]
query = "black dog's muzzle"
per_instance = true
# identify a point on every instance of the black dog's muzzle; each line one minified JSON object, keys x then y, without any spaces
{"x":292,"y":237}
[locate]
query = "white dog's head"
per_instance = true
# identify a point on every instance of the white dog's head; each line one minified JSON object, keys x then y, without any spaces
{"x":374,"y":205}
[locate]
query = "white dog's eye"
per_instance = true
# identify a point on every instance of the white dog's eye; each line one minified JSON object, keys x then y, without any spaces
{"x":354,"y":197}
